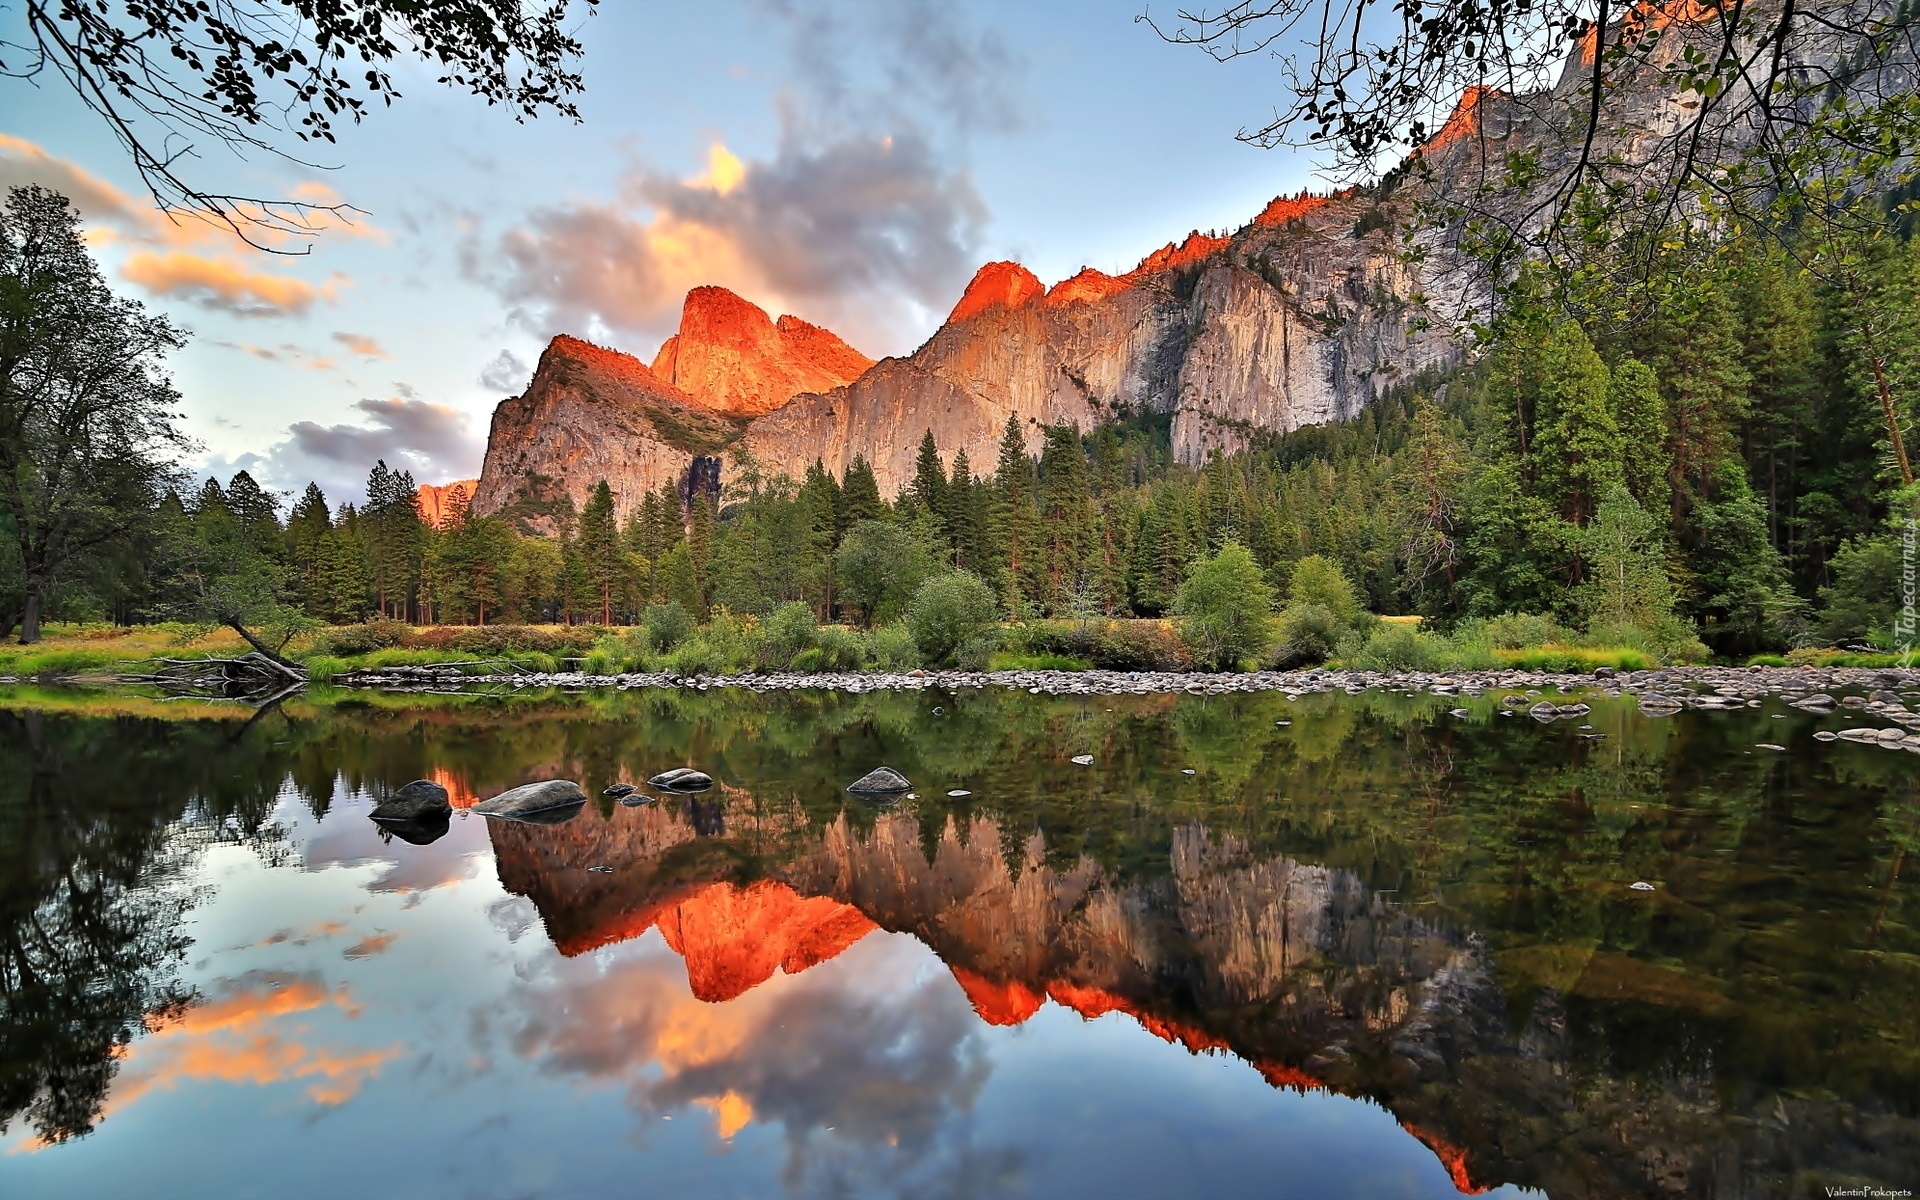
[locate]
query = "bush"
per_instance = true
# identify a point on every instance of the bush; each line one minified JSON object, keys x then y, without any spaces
{"x":948,"y":611}
{"x":787,"y":633}
{"x":1309,"y":635}
{"x":1110,"y":645}
{"x":1514,"y":631}
{"x":1574,"y":659}
{"x":1396,"y":647}
{"x":1223,"y":608}
{"x":1317,"y":579}
{"x":976,"y":653}
{"x":836,"y":650}
{"x":347,"y":641}
{"x":666,"y":626}
{"x":894,"y":648}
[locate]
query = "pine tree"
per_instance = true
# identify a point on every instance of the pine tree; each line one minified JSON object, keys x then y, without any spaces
{"x":1639,"y":414}
{"x":1015,"y":524}
{"x":1579,"y":450}
{"x":307,"y":525}
{"x":1066,"y":517}
{"x":929,"y":490}
{"x":860,"y":494}
{"x":598,"y":544}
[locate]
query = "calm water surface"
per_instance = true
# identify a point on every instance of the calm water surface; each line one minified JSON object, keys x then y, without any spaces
{"x":1341,"y":946}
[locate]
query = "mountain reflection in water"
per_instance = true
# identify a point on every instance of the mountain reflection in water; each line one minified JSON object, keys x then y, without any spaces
{"x":1377,"y":902}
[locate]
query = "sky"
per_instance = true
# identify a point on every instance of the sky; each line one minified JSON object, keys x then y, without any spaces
{"x":851,"y":162}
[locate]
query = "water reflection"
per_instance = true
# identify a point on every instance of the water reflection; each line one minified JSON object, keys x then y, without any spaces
{"x":1373,"y":901}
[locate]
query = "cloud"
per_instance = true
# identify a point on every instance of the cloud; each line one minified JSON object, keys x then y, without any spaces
{"x":845,"y":234}
{"x":286,"y":352}
{"x":863,"y":218}
{"x":361,"y":344}
{"x":186,"y":255}
{"x":223,"y":284}
{"x":506,"y":373}
{"x":436,"y":442}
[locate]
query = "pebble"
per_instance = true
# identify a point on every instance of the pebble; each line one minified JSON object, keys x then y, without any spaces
{"x":1642,"y":886}
{"x":1084,"y":760}
{"x":957,"y":793}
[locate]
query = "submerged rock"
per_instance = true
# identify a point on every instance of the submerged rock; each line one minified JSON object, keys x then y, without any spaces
{"x":1082,"y":760}
{"x":415,"y":800}
{"x":546,"y":803}
{"x":618,"y":790}
{"x":682,"y":779}
{"x":881,"y":781}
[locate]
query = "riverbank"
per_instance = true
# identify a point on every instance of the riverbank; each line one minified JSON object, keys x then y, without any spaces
{"x":1687,"y":686}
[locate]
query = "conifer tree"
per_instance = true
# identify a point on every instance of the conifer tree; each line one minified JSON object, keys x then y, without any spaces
{"x":860,"y":494}
{"x":929,"y":489}
{"x":1015,"y":524}
{"x":601,"y":562}
{"x":1066,"y":517}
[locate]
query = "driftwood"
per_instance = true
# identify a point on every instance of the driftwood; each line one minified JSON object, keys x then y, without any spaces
{"x":249,"y":674}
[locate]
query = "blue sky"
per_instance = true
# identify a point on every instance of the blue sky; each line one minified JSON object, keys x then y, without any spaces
{"x":851,"y":163}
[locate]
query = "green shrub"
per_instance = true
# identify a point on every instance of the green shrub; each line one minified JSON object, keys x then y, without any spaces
{"x":1309,"y":635}
{"x":947,"y":611}
{"x":894,"y":648}
{"x":1514,"y":631}
{"x":347,"y":641}
{"x":1317,"y":579}
{"x":1395,"y":647}
{"x":1223,"y":608}
{"x":321,"y":668}
{"x":976,"y":653}
{"x":1768,"y":660}
{"x":787,"y":632}
{"x":600,"y":662}
{"x":666,"y":626}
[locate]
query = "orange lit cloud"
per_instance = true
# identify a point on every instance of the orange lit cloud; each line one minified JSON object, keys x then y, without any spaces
{"x":187,"y":255}
{"x":222,"y":284}
{"x":361,"y":344}
{"x":236,"y":1039}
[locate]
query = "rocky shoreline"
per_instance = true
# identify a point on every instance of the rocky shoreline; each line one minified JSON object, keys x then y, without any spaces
{"x":1664,"y":687}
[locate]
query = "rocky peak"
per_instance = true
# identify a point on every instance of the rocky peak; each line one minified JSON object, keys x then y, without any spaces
{"x":1089,"y":285}
{"x":441,"y":503}
{"x":730,"y":357}
{"x":997,"y":285}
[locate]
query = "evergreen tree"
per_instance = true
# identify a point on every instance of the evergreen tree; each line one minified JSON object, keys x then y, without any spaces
{"x":307,"y":526}
{"x":1015,"y":517}
{"x":601,"y":561}
{"x":929,"y":490}
{"x":1066,"y":518}
{"x":860,"y":494}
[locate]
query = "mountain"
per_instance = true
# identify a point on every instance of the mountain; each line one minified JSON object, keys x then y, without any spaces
{"x":1495,"y":1059}
{"x":1295,"y":319}
{"x":440,"y":502}
{"x":1299,"y":317}
{"x":729,"y":356}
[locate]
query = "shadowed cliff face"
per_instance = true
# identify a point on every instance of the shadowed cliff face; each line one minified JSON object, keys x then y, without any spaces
{"x":1303,"y":972}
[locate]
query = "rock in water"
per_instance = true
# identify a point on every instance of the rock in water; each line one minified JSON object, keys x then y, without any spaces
{"x":881,"y":781}
{"x":618,"y":790}
{"x":429,"y":827}
{"x":1642,"y":886}
{"x":636,"y":799}
{"x":1458,"y":712}
{"x":1083,"y":760}
{"x":547,"y":803}
{"x":410,"y":803}
{"x":682,"y":779}
{"x":957,"y":793}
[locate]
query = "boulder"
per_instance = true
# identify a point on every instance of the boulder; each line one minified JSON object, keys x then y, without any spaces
{"x":429,"y":827}
{"x":682,"y":779}
{"x":410,"y":803}
{"x":881,"y":781}
{"x":546,"y":803}
{"x":618,"y":790}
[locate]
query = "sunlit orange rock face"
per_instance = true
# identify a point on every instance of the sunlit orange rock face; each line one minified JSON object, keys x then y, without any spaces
{"x":1282,"y":209}
{"x":730,"y":357}
{"x":735,"y":938}
{"x":1084,"y":288}
{"x":439,"y":503}
{"x":997,"y":285}
{"x":1197,"y":247}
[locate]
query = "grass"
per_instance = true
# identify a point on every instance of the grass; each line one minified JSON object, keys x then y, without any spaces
{"x":68,"y":650}
{"x":1574,"y":658}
